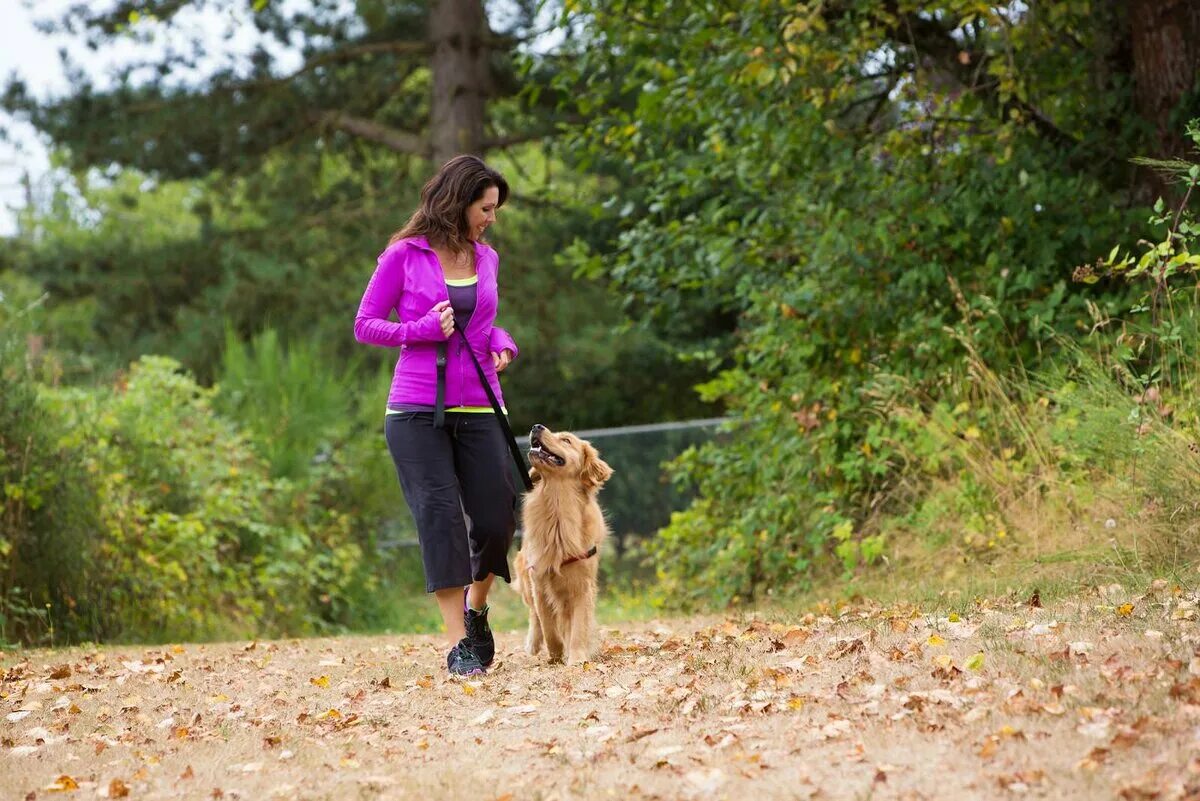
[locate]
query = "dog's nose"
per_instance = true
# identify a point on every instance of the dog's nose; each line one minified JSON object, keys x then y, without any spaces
{"x":537,"y":429}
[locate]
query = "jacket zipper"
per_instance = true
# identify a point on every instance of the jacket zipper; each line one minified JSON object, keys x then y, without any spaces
{"x":461,"y":378}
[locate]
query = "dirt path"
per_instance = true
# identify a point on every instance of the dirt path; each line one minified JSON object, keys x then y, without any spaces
{"x":1090,"y":698}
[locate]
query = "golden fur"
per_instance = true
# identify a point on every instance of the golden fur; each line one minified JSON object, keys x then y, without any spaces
{"x":561,"y":520}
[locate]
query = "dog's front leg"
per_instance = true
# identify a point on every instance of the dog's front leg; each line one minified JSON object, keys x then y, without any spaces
{"x":549,"y":623}
{"x":534,"y":639}
{"x":579,"y":631}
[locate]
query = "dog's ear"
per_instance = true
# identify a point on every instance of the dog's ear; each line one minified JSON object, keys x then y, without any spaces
{"x":595,"y":470}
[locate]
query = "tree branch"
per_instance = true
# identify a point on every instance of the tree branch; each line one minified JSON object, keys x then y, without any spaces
{"x":391,"y":138}
{"x":499,"y":142}
{"x":933,"y":39}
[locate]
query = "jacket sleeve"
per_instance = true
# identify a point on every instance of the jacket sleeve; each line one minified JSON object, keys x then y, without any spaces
{"x":502,"y":340}
{"x":372,"y":325}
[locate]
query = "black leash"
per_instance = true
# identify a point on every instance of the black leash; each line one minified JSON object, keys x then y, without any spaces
{"x":439,"y":410}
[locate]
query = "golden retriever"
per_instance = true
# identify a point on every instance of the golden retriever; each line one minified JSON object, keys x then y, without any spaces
{"x":556,"y":569}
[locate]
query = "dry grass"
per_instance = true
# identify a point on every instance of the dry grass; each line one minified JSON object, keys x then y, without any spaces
{"x":1085,"y":698}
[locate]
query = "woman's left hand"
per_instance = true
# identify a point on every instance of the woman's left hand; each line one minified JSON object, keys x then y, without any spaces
{"x":501,"y":359}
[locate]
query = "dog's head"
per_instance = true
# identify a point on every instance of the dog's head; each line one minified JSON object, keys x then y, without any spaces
{"x":565,"y":455}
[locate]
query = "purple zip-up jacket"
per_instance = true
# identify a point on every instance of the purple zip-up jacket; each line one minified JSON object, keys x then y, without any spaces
{"x":408,"y":279}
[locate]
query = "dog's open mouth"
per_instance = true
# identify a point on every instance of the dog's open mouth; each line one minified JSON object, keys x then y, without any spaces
{"x":538,"y":452}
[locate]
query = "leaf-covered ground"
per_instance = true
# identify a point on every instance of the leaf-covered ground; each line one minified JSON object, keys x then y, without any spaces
{"x":1092,"y":697}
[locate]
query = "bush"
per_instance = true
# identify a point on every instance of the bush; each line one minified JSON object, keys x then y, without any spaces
{"x":48,"y":526}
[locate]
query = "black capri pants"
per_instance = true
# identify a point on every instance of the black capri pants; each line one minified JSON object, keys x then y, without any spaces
{"x":459,"y":486}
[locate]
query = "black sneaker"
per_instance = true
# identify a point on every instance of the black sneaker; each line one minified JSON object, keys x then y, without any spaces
{"x":479,"y":635}
{"x":462,"y":661}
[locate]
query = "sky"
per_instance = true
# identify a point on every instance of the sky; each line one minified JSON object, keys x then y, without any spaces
{"x":34,"y":57}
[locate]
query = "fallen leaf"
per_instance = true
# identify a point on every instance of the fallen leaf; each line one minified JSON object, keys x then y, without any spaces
{"x":795,"y":636}
{"x":62,"y":784}
{"x":117,"y":789}
{"x":1125,"y":610}
{"x":638,"y":734}
{"x":320,"y":681}
{"x":935,"y":640}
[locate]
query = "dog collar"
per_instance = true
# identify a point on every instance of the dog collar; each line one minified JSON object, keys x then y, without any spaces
{"x":591,"y":552}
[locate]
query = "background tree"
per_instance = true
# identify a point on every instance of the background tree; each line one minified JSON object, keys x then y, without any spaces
{"x":293,"y":179}
{"x":856,"y":188}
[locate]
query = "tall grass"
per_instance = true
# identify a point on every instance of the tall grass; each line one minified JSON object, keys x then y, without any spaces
{"x":291,"y":399}
{"x":47,"y":507}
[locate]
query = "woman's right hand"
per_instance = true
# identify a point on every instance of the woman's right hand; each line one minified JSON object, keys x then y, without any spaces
{"x":445,"y":317}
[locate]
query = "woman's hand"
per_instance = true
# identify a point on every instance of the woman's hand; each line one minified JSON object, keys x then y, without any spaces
{"x":446,"y":318}
{"x":501,"y":359}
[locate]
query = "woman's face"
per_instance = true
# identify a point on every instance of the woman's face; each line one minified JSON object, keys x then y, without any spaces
{"x":482,"y":213}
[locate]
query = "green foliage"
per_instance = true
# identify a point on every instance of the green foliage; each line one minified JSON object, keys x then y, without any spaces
{"x":47,"y":509}
{"x":203,"y":261}
{"x":291,"y":402}
{"x":137,"y":511}
{"x":851,"y":188}
{"x":1157,"y":356}
{"x":198,"y":540}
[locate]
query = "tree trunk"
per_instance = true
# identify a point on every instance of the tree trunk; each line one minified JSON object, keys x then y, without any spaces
{"x":1166,"y":56}
{"x":459,"y":35}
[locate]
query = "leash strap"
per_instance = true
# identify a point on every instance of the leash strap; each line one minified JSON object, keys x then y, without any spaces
{"x":439,"y":407}
{"x":439,"y":413}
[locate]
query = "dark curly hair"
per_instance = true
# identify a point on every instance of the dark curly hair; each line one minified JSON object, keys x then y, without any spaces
{"x":442,"y":215}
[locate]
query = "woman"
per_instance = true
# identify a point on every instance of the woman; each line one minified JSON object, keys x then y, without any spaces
{"x":450,"y":452}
